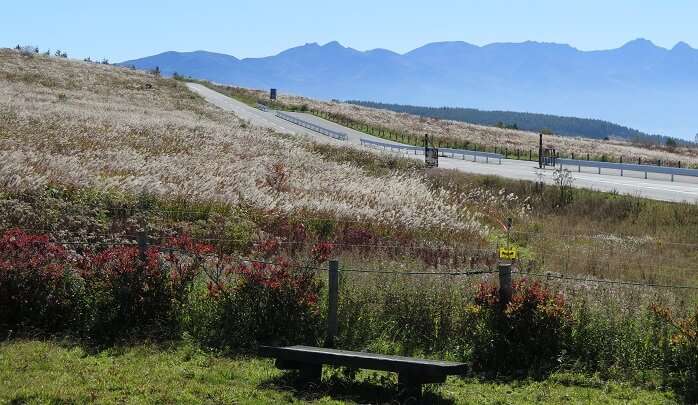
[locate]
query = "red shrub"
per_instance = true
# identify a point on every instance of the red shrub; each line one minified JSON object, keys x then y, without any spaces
{"x":132,"y":293}
{"x":529,"y":333}
{"x":38,"y":287}
{"x":356,"y":236}
{"x":268,"y":248}
{"x":322,"y":252}
{"x":268,"y":303}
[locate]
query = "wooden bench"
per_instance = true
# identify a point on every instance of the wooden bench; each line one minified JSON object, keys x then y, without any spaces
{"x":412,"y":373}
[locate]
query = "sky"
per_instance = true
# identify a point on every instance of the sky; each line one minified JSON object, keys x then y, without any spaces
{"x":128,"y":29}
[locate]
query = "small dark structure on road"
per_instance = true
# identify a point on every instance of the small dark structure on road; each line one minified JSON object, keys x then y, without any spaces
{"x":272,"y":94}
{"x":431,"y":153}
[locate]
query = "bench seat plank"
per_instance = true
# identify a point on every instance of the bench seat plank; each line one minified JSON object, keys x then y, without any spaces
{"x":399,"y":364}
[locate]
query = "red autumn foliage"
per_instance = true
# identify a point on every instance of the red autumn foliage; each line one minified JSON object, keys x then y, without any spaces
{"x":322,"y":252}
{"x":527,"y":332}
{"x":37,"y":285}
{"x":356,"y":236}
{"x":22,"y":252}
{"x":268,"y":248}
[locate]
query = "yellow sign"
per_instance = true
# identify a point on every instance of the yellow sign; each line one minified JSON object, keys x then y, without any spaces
{"x":511,"y":253}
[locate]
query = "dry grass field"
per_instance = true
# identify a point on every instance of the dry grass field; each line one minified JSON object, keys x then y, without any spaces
{"x":109,"y":128}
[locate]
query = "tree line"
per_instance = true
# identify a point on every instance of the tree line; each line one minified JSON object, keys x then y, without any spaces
{"x":546,"y":123}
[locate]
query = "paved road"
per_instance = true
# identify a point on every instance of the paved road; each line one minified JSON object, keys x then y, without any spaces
{"x":657,"y":186}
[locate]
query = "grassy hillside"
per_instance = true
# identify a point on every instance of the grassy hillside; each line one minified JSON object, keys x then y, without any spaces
{"x":131,"y":211}
{"x":109,"y":128}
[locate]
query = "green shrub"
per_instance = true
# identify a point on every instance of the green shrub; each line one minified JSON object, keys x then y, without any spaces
{"x":681,"y":364}
{"x":613,"y":341}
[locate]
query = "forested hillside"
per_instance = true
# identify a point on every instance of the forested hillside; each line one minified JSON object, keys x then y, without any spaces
{"x":567,"y":126}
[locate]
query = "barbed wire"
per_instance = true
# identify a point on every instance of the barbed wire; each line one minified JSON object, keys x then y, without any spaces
{"x":614,"y":282}
{"x":547,"y":276}
{"x":419,"y":273}
{"x":302,"y":218}
{"x":540,"y":235}
{"x":215,"y":211}
{"x":410,"y":246}
{"x":299,"y":218}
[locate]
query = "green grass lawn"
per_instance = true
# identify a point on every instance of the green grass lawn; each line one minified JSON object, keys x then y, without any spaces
{"x":50,"y":372}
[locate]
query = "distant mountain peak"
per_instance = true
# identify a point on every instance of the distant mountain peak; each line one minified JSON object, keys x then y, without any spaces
{"x":682,"y":46}
{"x":434,"y":49}
{"x":527,"y":76}
{"x":333,"y":44}
{"x":639,"y":43}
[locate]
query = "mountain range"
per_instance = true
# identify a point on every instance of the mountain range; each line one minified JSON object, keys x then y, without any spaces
{"x":640,"y":84}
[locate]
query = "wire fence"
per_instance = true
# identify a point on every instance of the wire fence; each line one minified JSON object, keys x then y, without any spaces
{"x":371,"y":222}
{"x":465,"y":252}
{"x":549,"y":276}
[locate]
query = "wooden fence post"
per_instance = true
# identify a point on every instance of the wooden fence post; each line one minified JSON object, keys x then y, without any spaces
{"x":142,"y":245}
{"x":332,"y":326}
{"x":505,"y":288}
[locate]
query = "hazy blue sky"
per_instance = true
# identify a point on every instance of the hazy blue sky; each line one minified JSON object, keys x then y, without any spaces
{"x":127,"y":29}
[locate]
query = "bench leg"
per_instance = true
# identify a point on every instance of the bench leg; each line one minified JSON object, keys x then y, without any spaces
{"x":307,"y":372}
{"x":310,"y":372}
{"x":409,"y":385}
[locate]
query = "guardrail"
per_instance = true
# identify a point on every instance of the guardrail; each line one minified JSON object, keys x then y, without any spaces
{"x":475,"y":154}
{"x":393,"y":147}
{"x":305,"y":124}
{"x":445,"y":152}
{"x":262,"y":107}
{"x":673,"y":171}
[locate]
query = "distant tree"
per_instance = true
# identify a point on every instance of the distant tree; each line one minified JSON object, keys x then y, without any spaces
{"x":36,"y":49}
{"x":105,"y":61}
{"x":48,"y":52}
{"x":18,"y":48}
{"x":671,"y":143}
{"x":64,"y":55}
{"x":696,"y":138}
{"x":27,"y":50}
{"x":156,"y":71}
{"x":58,"y":53}
{"x":87,"y":59}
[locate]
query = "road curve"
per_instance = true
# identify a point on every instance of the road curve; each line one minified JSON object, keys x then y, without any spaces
{"x":657,"y":186}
